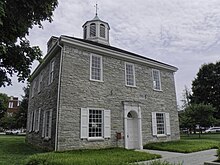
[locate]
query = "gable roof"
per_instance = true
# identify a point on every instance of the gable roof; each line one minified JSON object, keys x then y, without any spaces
{"x":92,"y":44}
{"x":120,"y":50}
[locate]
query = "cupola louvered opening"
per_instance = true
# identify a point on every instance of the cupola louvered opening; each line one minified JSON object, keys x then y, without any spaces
{"x":102,"y":30}
{"x":85,"y":32}
{"x":92,"y":30}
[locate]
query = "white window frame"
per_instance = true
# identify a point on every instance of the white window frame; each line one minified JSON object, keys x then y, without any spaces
{"x":156,"y":81}
{"x":31,"y":121}
{"x":101,"y":68}
{"x":47,"y":124}
{"x":37,"y":120}
{"x":106,"y":124}
{"x":167,"y":130}
{"x":10,"y":104}
{"x":133,"y":75}
{"x":40,"y":82}
{"x":51,"y":71}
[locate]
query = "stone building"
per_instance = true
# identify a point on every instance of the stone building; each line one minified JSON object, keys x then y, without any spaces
{"x":88,"y":94}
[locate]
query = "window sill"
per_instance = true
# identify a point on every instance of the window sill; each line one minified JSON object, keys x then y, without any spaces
{"x":96,"y":139}
{"x":46,"y":138}
{"x":161,"y":135}
{"x":131,"y":86}
{"x":96,"y":80}
{"x":158,"y":90}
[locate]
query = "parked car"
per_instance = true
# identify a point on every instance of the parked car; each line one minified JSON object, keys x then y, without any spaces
{"x":212,"y":130}
{"x":13,"y":132}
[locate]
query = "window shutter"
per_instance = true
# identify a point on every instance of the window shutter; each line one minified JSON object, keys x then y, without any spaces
{"x":84,"y":123}
{"x":107,"y":124}
{"x":154,"y":123}
{"x":38,"y":124}
{"x":168,"y":123}
{"x":50,"y":124}
{"x":43,"y":127}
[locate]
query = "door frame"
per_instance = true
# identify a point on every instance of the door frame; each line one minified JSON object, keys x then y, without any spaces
{"x":133,"y":106}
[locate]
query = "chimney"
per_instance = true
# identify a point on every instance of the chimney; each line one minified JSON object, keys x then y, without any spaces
{"x":52,"y":41}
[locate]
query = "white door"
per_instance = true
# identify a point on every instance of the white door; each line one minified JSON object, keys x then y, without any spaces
{"x":132,"y":133}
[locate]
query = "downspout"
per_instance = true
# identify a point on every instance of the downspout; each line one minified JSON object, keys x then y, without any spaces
{"x":58,"y":96}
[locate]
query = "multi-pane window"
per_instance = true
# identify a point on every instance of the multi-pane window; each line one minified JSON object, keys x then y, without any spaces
{"x":160,"y":123}
{"x":51,"y":72}
{"x":160,"y":117}
{"x":156,"y":79}
{"x":37,"y":119}
{"x":95,"y":123}
{"x":102,"y":30}
{"x":130,"y":74}
{"x":92,"y":30}
{"x":31,"y":121}
{"x":47,"y":121}
{"x":40,"y":82}
{"x":96,"y":67}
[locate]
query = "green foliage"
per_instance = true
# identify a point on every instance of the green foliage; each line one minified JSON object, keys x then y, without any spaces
{"x":113,"y":156}
{"x":21,"y":116}
{"x":3,"y":105}
{"x":206,"y":86}
{"x":8,"y":122}
{"x":188,"y":144}
{"x":197,"y":114}
{"x":16,"y":18}
{"x":14,"y":150}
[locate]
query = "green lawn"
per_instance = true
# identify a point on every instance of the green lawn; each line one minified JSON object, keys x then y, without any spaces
{"x":187,"y":144}
{"x":14,"y":151}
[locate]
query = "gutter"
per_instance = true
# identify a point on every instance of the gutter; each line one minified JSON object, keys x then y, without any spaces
{"x":58,"y":97}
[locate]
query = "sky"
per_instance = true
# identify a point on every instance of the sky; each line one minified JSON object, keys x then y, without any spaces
{"x":185,"y":34}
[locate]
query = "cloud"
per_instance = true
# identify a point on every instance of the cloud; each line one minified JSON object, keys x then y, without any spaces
{"x":185,"y":33}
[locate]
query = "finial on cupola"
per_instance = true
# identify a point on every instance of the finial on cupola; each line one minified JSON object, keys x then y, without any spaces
{"x":96,"y":30}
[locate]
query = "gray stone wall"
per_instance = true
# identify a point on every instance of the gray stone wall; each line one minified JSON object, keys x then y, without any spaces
{"x":77,"y":92}
{"x":46,"y":99}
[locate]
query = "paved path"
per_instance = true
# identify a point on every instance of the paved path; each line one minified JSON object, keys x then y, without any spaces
{"x":196,"y":158}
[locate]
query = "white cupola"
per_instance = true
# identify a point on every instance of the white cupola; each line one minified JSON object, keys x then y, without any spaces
{"x":96,"y":30}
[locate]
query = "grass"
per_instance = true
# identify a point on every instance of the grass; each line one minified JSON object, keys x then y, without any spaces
{"x":188,"y":144}
{"x":112,"y":156}
{"x":14,"y":151}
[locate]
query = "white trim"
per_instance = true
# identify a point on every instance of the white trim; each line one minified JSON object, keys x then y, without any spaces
{"x":133,"y":68}
{"x":58,"y":99}
{"x":101,"y":69}
{"x":110,"y":52}
{"x":154,"y":82}
{"x":51,"y":71}
{"x":129,"y":106}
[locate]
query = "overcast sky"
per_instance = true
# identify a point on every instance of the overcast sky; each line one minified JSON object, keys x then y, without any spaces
{"x":185,"y":34}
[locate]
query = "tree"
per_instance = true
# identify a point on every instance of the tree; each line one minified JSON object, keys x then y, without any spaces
{"x":16,"y":18}
{"x":21,"y":116}
{"x":3,"y":104}
{"x":198,"y":114}
{"x":186,"y":97}
{"x":206,"y":86}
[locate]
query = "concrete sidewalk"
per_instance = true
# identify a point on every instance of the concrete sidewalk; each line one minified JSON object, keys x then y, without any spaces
{"x":196,"y":158}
